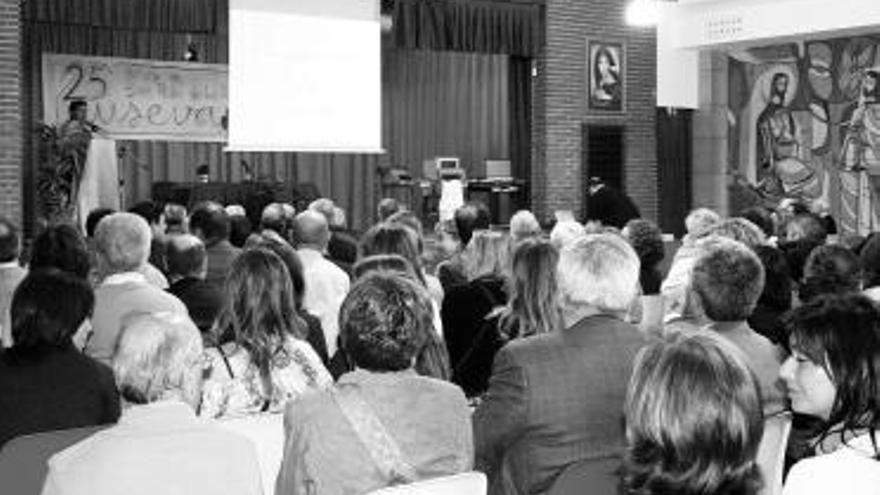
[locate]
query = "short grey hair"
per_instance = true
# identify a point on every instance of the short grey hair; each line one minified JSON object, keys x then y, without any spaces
{"x":727,"y":279}
{"x":153,"y":355}
{"x":523,"y":224}
{"x":599,"y":270}
{"x":700,"y":220}
{"x":122,"y":241}
{"x":565,"y":232}
{"x":312,"y":229}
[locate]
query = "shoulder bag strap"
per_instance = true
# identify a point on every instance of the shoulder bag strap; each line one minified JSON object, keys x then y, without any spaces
{"x":383,"y":449}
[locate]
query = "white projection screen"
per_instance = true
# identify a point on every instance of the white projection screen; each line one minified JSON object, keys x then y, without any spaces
{"x":305,"y":75}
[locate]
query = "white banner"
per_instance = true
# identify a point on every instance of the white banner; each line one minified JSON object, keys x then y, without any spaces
{"x":139,"y":99}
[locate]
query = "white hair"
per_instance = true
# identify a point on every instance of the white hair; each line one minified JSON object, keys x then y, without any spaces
{"x":153,"y":355}
{"x":566,"y":232}
{"x":122,"y":241}
{"x":700,"y":220}
{"x":235,"y":211}
{"x":599,"y":270}
{"x":524,"y":224}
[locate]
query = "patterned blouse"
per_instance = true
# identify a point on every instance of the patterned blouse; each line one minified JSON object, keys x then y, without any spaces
{"x":234,"y":387}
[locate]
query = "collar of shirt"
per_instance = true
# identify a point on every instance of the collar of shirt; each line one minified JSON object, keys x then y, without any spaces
{"x":125,"y":278}
{"x":360,"y":376}
{"x":308,"y":253}
{"x":9,"y":264}
{"x":172,"y":413}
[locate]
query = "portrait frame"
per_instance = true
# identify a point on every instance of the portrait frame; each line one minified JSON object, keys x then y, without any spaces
{"x":606,"y":84}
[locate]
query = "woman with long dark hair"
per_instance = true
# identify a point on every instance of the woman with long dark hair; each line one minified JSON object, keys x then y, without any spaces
{"x":261,"y":361}
{"x":833,"y":374}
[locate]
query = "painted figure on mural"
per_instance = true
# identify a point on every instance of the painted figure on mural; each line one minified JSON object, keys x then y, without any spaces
{"x":783,"y":171}
{"x":861,"y":144}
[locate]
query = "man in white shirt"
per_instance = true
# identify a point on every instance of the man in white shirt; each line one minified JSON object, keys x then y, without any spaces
{"x":326,"y":284}
{"x":159,"y":445}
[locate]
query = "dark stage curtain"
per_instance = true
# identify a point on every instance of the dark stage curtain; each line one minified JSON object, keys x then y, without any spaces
{"x":674,"y":160}
{"x":519,"y":98}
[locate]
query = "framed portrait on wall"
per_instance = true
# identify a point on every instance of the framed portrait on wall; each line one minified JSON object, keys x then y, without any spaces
{"x":605,"y":75}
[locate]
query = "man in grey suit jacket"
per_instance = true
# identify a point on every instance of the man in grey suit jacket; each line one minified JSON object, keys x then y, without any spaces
{"x":557,"y":398}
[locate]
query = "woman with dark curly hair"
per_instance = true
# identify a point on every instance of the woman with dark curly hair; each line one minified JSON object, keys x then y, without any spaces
{"x":833,"y":374}
{"x":262,"y":360}
{"x":693,"y":419}
{"x":61,"y":246}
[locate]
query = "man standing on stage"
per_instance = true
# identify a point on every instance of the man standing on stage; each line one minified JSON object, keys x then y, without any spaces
{"x":608,"y":205}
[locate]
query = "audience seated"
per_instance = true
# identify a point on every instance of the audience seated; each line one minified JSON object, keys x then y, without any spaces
{"x":122,"y":242}
{"x":382,"y":424}
{"x":239,"y":225}
{"x":210,"y":223}
{"x":834,"y":375}
{"x":342,"y":248}
{"x":727,"y":281}
{"x":566,"y":232}
{"x":647,"y":240}
{"x":762,"y":218}
{"x":159,"y":445}
{"x":776,"y":298}
{"x":274,"y":220}
{"x":693,"y":420}
{"x":187,"y":268}
{"x":466,"y":307}
{"x":11,"y":274}
{"x":262,"y":360}
{"x":555,"y":399}
{"x":92,"y":220}
{"x":530,"y":310}
{"x":524,"y":225}
{"x":326,"y":284}
{"x":61,"y":246}
{"x":830,"y":269}
{"x":697,"y":224}
{"x":739,"y":229}
{"x":471,"y":217}
{"x":45,"y":382}
{"x":388,"y":207}
{"x":155,"y":216}
{"x":176,"y":220}
{"x":274,"y":243}
{"x":803,"y":233}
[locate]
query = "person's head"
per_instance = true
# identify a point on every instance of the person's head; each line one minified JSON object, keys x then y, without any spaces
{"x":340,"y":219}
{"x":778,"y":88}
{"x":411,"y":220}
{"x":534,"y":293}
{"x":387,"y":207}
{"x":693,"y":419}
{"x":566,"y":232}
{"x":806,"y":227}
{"x":393,"y":238}
{"x":646,"y":238}
{"x":762,"y":218}
{"x":471,"y":217}
{"x":699,"y":221}
{"x":259,"y":313}
{"x":739,"y":229}
{"x":604,"y":64}
{"x":235,"y":210}
{"x":727,"y":280}
{"x":778,"y":284}
{"x":239,"y":230}
{"x":209,"y":222}
{"x":312,"y":230}
{"x":63,"y":247}
{"x":830,"y":269}
{"x":10,"y":244}
{"x":833,"y":372}
{"x":153,"y":214}
{"x":523,"y":225}
{"x":488,"y":254}
{"x":276,"y":244}
{"x":47,"y":309}
{"x":393,"y":263}
{"x":94,"y":218}
{"x":186,"y":257}
{"x":598,"y":272}
{"x":594,"y":185}
{"x":122,"y":241}
{"x":324,"y":206}
{"x":871,"y":83}
{"x":273,"y":219}
{"x":78,"y":110}
{"x":158,"y":357}
{"x":176,"y":219}
{"x":384,"y":322}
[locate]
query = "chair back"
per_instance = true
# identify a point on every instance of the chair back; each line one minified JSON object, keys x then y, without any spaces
{"x":472,"y":483}
{"x":24,"y":460}
{"x":267,"y":433}
{"x":771,"y":452}
{"x":600,"y":476}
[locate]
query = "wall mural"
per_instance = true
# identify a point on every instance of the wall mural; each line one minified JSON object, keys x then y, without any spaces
{"x":805,"y":122}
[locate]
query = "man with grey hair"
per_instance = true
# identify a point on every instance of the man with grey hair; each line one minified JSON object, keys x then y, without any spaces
{"x":523,"y":225}
{"x":342,"y":248}
{"x":726,"y":283}
{"x":122,"y":243}
{"x":555,"y":399}
{"x":159,"y":445}
{"x":326,"y":284}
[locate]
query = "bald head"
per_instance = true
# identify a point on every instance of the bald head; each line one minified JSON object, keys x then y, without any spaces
{"x":273,"y":218}
{"x":312,"y":230}
{"x":186,"y":256}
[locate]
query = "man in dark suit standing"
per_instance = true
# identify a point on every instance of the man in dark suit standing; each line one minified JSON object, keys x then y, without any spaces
{"x":556,"y":399}
{"x":608,"y":205}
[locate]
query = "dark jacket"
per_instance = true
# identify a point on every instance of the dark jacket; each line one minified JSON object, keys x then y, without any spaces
{"x":553,"y":400}
{"x":53,"y":390}
{"x":202,"y":299}
{"x":611,"y":207}
{"x":220,"y":258}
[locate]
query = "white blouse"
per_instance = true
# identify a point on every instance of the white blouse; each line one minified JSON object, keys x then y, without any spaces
{"x":849,"y":470}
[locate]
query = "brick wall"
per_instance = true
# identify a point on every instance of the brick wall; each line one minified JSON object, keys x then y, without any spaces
{"x":10,"y":111}
{"x":561,"y":105}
